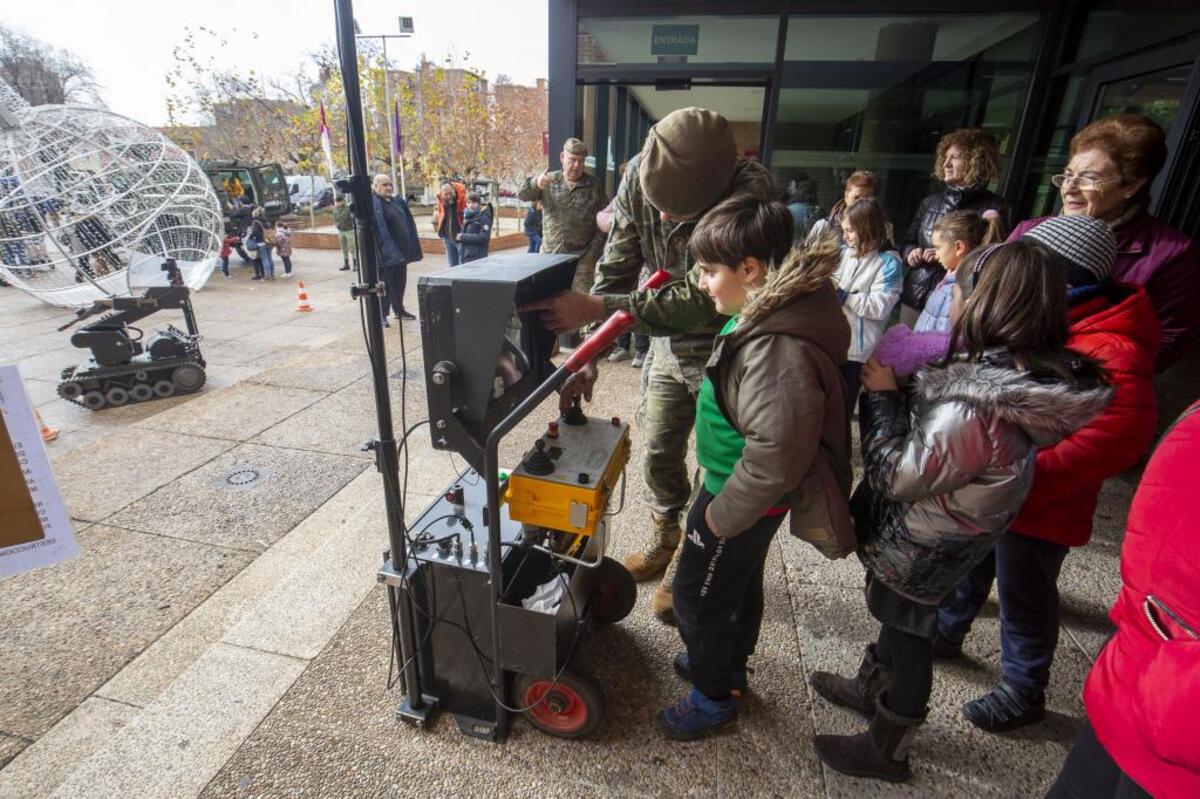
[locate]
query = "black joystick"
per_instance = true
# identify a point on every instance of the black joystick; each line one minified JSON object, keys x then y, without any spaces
{"x":574,"y":415}
{"x":537,"y":461}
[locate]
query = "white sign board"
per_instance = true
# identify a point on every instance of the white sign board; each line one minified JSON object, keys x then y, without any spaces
{"x":35,"y":529}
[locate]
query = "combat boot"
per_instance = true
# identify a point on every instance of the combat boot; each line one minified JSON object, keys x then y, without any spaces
{"x":662,"y":604}
{"x":881,"y":752}
{"x":650,"y":562}
{"x":859,"y":693}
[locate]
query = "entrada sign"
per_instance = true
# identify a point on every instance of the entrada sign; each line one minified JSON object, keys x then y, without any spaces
{"x":674,"y":39}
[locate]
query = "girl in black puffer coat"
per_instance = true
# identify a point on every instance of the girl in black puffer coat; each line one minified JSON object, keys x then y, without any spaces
{"x":965,"y":161}
{"x":946,"y":471}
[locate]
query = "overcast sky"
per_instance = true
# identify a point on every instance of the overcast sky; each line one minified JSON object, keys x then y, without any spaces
{"x":128,"y":43}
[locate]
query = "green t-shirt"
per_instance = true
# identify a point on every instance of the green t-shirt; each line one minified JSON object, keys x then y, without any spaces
{"x":718,"y":445}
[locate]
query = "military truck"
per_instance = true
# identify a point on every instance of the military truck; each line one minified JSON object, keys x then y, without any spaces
{"x":241,"y":186}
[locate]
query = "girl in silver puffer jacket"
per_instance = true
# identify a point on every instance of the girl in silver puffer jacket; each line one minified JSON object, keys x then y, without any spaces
{"x":945,"y":472}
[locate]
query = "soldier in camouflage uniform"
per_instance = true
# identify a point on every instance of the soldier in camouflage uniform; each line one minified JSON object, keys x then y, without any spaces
{"x":570,"y":199}
{"x":689,"y":163}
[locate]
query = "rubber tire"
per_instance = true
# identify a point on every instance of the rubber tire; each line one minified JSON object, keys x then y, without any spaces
{"x":70,"y":390}
{"x":140,"y":392}
{"x":614,"y":592}
{"x":117,"y":396}
{"x":583,"y":710}
{"x":93,"y":400}
{"x":188,"y":378}
{"x":164,"y":389}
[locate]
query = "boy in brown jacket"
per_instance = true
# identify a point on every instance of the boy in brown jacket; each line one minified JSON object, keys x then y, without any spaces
{"x":771,"y":435}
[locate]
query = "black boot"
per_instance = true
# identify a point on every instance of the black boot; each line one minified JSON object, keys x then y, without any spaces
{"x":859,"y":694}
{"x":881,"y":752}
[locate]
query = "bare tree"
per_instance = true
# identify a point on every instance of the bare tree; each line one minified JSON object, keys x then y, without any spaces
{"x":43,"y":75}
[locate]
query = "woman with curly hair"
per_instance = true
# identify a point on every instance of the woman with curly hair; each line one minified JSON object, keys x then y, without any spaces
{"x":965,"y":161}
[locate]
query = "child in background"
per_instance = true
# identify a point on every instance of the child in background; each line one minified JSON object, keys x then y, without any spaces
{"x":227,"y":245}
{"x":946,"y":468}
{"x":769,"y":438}
{"x":868,"y":284}
{"x":956,"y":238}
{"x":283,"y":246}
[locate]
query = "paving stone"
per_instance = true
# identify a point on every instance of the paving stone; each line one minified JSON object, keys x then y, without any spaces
{"x":288,"y":485}
{"x":10,"y":747}
{"x":175,"y":746}
{"x":100,"y":478}
{"x":140,"y":682}
{"x":41,"y":767}
{"x":238,"y":413}
{"x":71,"y":626}
{"x":319,"y":370}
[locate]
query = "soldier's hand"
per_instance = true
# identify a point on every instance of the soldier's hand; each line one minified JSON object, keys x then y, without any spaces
{"x":543,"y":180}
{"x":579,"y":384}
{"x":568,"y":310}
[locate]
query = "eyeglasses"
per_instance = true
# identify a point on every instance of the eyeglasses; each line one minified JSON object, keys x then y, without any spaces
{"x":1081,"y":181}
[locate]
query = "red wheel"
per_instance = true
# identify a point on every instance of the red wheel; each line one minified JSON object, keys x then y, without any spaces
{"x":614,"y":592}
{"x":570,"y":707}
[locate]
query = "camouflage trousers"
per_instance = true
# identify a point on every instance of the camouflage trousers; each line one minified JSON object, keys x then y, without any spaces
{"x":670,"y":385}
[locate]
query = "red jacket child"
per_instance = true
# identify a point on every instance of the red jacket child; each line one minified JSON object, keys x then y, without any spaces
{"x":1143,"y":694}
{"x":1117,"y":328}
{"x":227,"y":245}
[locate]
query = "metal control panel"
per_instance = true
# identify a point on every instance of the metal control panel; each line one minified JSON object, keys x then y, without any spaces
{"x":565,"y":481}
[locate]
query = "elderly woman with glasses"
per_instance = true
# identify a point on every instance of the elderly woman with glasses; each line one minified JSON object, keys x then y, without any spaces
{"x":1114,"y":161}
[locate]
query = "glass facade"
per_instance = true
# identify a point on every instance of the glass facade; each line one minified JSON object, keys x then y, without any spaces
{"x":877,"y":93}
{"x":854,"y":87}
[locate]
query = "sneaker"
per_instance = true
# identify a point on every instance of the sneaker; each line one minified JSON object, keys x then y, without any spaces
{"x":343,"y":269}
{"x":1005,"y":708}
{"x":638,"y":360}
{"x":741,"y":677}
{"x":406,"y":316}
{"x":257,"y":277}
{"x":696,"y":716}
{"x":618,"y":355}
{"x":386,"y":323}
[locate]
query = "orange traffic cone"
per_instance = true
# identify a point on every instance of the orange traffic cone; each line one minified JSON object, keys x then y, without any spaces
{"x":48,"y":432}
{"x":302,"y":300}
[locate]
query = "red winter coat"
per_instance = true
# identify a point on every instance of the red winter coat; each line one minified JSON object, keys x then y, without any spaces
{"x":460,"y":205}
{"x":1143,"y":693}
{"x":1119,"y":330}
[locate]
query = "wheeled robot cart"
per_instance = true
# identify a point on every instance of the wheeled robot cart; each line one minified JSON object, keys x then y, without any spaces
{"x":122,"y":368}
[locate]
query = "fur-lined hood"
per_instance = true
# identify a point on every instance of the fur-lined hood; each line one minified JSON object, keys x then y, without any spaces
{"x":1046,"y":407}
{"x":799,"y":300}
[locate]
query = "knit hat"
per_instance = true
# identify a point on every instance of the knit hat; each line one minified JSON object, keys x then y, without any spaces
{"x":1086,"y":245}
{"x":575,"y":147}
{"x":687,"y":162}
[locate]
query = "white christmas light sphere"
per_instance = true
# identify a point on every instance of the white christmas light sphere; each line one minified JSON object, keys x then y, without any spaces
{"x":93,"y":203}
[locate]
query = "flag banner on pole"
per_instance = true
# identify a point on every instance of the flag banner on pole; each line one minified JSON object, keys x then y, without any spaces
{"x":396,"y":128}
{"x":326,"y":145}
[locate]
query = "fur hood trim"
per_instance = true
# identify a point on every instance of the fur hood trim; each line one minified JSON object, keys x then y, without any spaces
{"x":804,"y":270}
{"x":1046,"y":408}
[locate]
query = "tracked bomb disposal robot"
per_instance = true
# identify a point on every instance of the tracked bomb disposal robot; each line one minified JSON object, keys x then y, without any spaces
{"x":122,"y":368}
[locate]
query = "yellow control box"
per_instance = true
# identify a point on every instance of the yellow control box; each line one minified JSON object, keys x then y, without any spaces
{"x":565,"y":482}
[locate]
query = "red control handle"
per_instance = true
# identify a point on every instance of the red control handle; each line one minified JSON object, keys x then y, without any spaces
{"x":613,"y":327}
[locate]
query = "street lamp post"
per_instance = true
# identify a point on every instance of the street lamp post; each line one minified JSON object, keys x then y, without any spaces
{"x":406,"y":28}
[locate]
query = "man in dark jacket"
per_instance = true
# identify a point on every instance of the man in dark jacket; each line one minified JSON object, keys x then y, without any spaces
{"x":398,"y":243}
{"x":477,"y":230}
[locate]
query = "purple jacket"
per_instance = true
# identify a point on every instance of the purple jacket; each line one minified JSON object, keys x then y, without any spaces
{"x":1153,"y":254}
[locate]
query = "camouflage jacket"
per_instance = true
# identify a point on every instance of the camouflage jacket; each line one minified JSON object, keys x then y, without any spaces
{"x":640,"y":238}
{"x":568,"y":213}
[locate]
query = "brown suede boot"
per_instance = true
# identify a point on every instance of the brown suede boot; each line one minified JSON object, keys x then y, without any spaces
{"x":881,"y":752}
{"x":651,"y":561}
{"x":661,"y":604}
{"x":860,"y":693}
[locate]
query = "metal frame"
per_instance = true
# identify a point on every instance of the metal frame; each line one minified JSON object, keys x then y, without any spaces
{"x":1140,"y":64}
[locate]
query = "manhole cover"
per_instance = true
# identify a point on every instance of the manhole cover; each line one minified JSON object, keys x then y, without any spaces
{"x":243,"y":476}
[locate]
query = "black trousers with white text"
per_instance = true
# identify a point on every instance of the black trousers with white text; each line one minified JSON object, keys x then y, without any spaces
{"x":718,"y":597}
